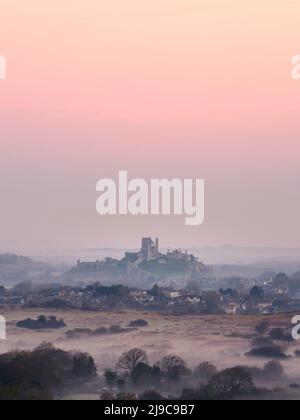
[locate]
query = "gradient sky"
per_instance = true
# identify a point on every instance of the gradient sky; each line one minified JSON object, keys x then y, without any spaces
{"x":162,"y":88}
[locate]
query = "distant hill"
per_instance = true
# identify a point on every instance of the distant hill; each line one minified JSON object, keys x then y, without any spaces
{"x":15,"y":269}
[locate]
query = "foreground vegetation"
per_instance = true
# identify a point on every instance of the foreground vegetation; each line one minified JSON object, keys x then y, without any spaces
{"x":48,"y":373}
{"x":42,"y":373}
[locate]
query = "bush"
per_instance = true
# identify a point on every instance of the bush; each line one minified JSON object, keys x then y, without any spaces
{"x":262,"y":328}
{"x":115,"y":329}
{"x":279,"y":334}
{"x":138,"y":323}
{"x":86,"y":331}
{"x":273,"y":371}
{"x":78,"y":332}
{"x":41,"y":323}
{"x":100,"y":331}
{"x":111,"y":377}
{"x":271,"y":352}
{"x":262,"y":342}
{"x":295,"y":386}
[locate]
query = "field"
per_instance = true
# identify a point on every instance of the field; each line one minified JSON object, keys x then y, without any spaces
{"x":223,"y":340}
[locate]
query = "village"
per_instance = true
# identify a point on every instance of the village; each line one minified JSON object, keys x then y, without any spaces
{"x":174,"y":282}
{"x":266,"y":300}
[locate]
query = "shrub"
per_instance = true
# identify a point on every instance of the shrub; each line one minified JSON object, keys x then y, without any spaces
{"x":273,"y":370}
{"x":279,"y":334}
{"x":115,"y":329}
{"x":262,"y":328}
{"x":41,"y":323}
{"x":272,"y":352}
{"x":262,"y":342}
{"x":100,"y":331}
{"x":111,"y":377}
{"x":138,"y":323}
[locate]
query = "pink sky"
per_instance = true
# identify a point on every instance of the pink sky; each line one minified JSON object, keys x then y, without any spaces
{"x":181,"y":88}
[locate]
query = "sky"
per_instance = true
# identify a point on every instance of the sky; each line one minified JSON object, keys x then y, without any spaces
{"x":161,"y":88}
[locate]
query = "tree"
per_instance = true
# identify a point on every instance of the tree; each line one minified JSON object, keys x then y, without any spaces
{"x":147,"y":375}
{"x":262,"y":328}
{"x":39,"y":373}
{"x":257,"y":293}
{"x":205,"y":372}
{"x":212,"y":301}
{"x":111,"y":377}
{"x":173,"y":367}
{"x":130,"y":360}
{"x":232,"y":383}
{"x":84,"y":365}
{"x":156,"y":291}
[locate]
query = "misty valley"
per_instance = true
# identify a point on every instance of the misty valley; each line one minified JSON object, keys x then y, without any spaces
{"x":148,"y":325}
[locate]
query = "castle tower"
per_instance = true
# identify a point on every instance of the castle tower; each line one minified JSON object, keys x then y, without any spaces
{"x":157,"y":246}
{"x":150,"y":250}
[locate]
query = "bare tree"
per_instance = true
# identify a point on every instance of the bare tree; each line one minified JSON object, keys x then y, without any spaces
{"x":130,"y":360}
{"x":205,"y":372}
{"x":231,"y":383}
{"x":173,"y":367}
